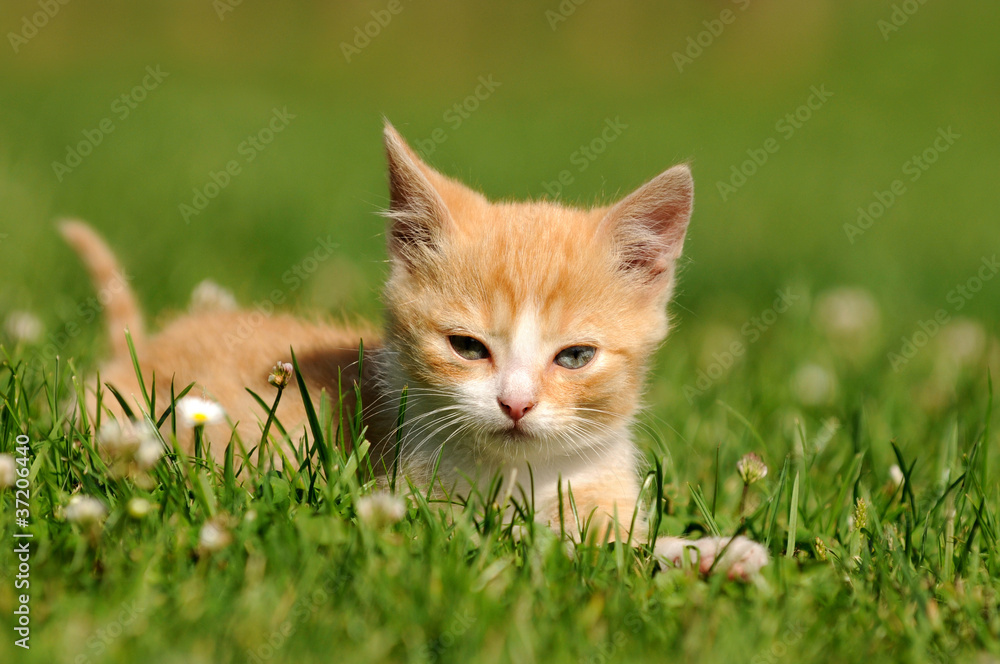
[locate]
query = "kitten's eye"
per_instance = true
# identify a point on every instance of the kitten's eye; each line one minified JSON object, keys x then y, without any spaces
{"x":468,"y":348}
{"x":575,"y":357}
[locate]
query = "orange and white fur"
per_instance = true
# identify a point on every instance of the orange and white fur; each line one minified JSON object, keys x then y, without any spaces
{"x":521,"y":332}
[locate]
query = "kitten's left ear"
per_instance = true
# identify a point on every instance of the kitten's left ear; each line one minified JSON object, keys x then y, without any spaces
{"x":419,"y":216}
{"x":648,"y":225}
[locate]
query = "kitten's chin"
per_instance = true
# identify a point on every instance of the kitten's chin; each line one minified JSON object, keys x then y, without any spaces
{"x":512,"y":435}
{"x":521,"y":443}
{"x":518,"y":434}
{"x":505,"y":444}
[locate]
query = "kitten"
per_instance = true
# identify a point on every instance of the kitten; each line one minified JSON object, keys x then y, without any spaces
{"x":521,"y":331}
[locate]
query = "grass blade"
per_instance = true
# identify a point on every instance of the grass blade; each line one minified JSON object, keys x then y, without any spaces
{"x":314,"y":425}
{"x":793,"y":517}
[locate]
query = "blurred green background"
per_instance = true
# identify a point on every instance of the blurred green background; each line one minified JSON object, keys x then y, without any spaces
{"x":563,"y":70}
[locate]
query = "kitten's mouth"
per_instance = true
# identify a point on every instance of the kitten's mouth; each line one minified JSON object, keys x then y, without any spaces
{"x":515,"y":432}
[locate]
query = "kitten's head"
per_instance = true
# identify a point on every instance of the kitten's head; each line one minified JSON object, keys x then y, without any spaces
{"x":529,"y":325}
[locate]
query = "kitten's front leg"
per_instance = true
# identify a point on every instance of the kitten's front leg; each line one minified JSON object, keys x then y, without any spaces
{"x":741,"y":559}
{"x":603,"y":506}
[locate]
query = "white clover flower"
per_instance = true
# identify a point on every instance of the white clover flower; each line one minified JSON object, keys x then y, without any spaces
{"x":213,"y":537}
{"x":137,"y":508}
{"x":85,"y":511}
{"x":23,"y":326}
{"x":380,"y":509}
{"x":122,"y":439}
{"x":128,"y":446}
{"x":962,"y":343}
{"x":751,"y":468}
{"x":149,"y":452}
{"x":280,"y":375}
{"x":8,"y":471}
{"x":210,"y":296}
{"x":847,"y":314}
{"x":112,"y":441}
{"x":196,"y":412}
{"x":813,"y":385}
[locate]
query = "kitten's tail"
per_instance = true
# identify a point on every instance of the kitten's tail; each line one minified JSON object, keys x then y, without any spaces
{"x":111,"y":283}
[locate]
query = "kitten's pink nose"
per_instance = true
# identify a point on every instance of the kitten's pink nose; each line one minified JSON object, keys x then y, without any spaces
{"x":515,"y":408}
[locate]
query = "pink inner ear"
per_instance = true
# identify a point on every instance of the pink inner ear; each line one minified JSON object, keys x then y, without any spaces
{"x":650,"y":223}
{"x":415,"y":207}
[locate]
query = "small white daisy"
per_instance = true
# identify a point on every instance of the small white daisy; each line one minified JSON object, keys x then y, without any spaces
{"x":814,"y":385}
{"x":138,"y":508}
{"x":962,"y":343}
{"x":127,"y":443}
{"x":213,"y":537}
{"x":23,"y":326}
{"x":85,"y":511}
{"x":380,"y":509}
{"x":149,"y":452}
{"x":8,"y":471}
{"x":196,"y":412}
{"x":209,"y":296}
{"x":847,"y":314}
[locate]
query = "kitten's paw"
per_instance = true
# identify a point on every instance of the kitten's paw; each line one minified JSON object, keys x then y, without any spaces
{"x":740,"y":560}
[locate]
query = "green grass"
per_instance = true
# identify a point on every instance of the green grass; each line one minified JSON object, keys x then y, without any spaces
{"x":828,"y":412}
{"x":303,"y":576}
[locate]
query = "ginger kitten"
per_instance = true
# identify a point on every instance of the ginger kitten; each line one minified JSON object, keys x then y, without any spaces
{"x":521,"y":332}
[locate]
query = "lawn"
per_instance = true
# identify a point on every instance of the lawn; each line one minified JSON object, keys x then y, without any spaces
{"x":837,"y":315}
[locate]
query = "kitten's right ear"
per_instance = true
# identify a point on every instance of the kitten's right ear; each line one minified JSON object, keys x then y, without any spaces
{"x":649,"y":224}
{"x":418,"y":215}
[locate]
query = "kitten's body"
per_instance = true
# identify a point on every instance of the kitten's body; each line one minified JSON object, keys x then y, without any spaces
{"x":521,"y":332}
{"x":208,"y":349}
